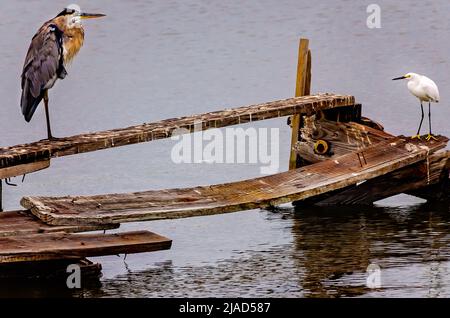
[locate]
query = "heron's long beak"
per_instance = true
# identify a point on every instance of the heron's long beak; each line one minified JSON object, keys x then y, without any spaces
{"x":398,"y":78}
{"x":91,"y":15}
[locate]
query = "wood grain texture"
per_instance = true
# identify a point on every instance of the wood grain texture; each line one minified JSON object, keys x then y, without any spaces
{"x":14,"y":223}
{"x":413,"y":179}
{"x":302,"y":88}
{"x":26,"y":153}
{"x":39,"y":247}
{"x":343,"y":138}
{"x":23,"y":169}
{"x":298,"y":184}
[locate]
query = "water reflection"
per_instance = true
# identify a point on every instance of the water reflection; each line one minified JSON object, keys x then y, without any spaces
{"x":329,"y":256}
{"x":337,"y":244}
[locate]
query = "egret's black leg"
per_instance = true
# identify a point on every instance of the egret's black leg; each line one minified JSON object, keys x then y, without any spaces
{"x":430,"y":134}
{"x":429,"y":115}
{"x":47,"y":115}
{"x":421,"y":121}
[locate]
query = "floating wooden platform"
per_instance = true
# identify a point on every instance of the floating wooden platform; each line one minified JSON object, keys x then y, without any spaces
{"x":337,"y":157}
{"x":54,"y":246}
{"x":44,"y":150}
{"x":299,"y":184}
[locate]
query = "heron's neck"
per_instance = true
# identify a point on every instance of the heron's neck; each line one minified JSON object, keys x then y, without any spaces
{"x":72,"y":42}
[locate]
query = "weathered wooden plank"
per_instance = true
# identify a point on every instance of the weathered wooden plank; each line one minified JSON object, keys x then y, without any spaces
{"x":14,"y":223}
{"x":26,"y":153}
{"x":20,"y":170}
{"x":50,"y":246}
{"x":299,"y":184}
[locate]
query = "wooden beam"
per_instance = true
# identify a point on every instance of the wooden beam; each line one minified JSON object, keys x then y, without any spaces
{"x":302,"y":88}
{"x":23,"y":169}
{"x":51,"y":246}
{"x":299,"y":184}
{"x":413,"y":179}
{"x":15,"y":223}
{"x":20,"y":154}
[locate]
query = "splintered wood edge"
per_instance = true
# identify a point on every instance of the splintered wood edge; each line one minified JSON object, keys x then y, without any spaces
{"x":44,"y":213}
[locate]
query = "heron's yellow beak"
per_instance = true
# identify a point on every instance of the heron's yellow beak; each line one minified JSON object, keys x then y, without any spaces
{"x":91,"y":15}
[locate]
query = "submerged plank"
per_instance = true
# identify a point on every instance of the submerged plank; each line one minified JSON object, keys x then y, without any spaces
{"x":294,"y":185}
{"x":14,"y":223}
{"x":51,"y":246}
{"x":50,"y":271}
{"x":26,"y":153}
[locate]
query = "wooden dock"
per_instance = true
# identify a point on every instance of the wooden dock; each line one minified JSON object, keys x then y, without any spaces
{"x":337,"y":157}
{"x":294,"y":185}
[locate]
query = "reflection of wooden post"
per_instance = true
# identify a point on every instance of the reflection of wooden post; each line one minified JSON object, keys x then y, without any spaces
{"x":302,"y":88}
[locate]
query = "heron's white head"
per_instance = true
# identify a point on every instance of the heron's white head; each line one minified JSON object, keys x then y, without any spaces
{"x":408,"y":76}
{"x":74,"y":15}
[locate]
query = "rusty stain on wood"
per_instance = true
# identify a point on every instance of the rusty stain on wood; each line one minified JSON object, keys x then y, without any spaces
{"x":14,"y":223}
{"x":26,"y":153}
{"x":39,"y":247}
{"x":302,"y":183}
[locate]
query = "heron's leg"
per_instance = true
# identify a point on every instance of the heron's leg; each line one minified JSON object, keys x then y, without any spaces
{"x":430,"y":134}
{"x":47,"y":115}
{"x":421,"y":121}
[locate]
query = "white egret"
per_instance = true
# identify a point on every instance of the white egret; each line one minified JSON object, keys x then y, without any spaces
{"x":426,"y":91}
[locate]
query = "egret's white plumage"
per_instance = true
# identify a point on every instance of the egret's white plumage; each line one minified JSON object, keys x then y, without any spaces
{"x":426,"y":90}
{"x":423,"y":87}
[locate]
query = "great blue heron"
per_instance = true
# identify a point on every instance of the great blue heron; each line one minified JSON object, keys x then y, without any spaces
{"x":51,"y":49}
{"x":426,"y":91}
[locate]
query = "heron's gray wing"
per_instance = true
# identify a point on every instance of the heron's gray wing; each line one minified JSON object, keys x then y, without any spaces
{"x":43,"y":65}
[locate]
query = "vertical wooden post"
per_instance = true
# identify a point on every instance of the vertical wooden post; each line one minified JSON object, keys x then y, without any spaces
{"x":302,"y":88}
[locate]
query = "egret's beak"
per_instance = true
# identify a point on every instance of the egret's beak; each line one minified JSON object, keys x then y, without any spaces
{"x":399,"y":78}
{"x":91,"y":15}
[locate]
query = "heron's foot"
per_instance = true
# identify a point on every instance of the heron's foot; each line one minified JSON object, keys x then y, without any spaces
{"x":416,"y":137}
{"x":51,"y":138}
{"x":430,"y":136}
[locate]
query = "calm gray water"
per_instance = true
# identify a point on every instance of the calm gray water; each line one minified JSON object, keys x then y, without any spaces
{"x":150,"y":60}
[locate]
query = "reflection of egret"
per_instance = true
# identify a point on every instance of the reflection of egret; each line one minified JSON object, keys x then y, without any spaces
{"x":426,"y":91}
{"x":52,"y":48}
